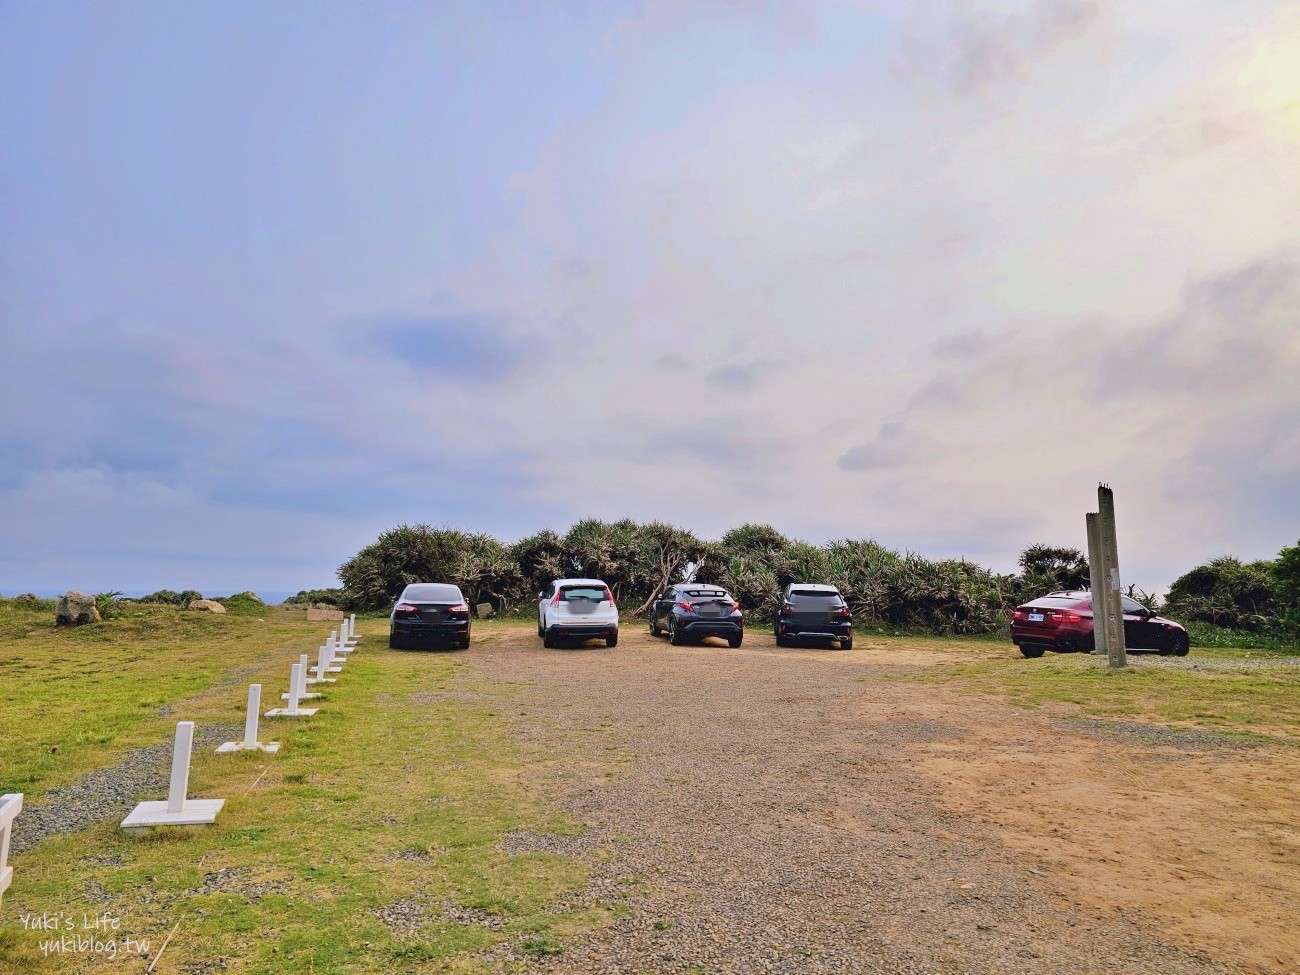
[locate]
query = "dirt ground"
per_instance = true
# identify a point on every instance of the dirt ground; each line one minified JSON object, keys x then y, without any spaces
{"x":813,"y":810}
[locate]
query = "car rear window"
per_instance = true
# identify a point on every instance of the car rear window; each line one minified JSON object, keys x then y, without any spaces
{"x":433,"y":593}
{"x":1058,"y":602}
{"x":816,"y":600}
{"x":582,"y":592}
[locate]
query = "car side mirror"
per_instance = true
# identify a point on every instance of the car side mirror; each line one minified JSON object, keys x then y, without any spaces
{"x":541,"y":594}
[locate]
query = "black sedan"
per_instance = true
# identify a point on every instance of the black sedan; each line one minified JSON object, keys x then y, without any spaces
{"x":429,"y":614}
{"x":692,"y":611}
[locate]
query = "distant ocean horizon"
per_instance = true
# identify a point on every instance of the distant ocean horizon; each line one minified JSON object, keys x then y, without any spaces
{"x":269,"y":596}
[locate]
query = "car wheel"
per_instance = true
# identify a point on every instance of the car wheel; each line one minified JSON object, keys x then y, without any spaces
{"x":393,"y":642}
{"x":1179,"y":644}
{"x":464,"y":642}
{"x":654,"y":625}
{"x":734,"y":641}
{"x":541,"y":630}
{"x":548,"y":639}
{"x":1031,"y":651}
{"x":674,"y":634}
{"x":612,"y":639}
{"x":846,"y":643}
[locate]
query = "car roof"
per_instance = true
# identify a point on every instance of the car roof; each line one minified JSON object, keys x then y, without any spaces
{"x":812,"y":587}
{"x":579,"y":582}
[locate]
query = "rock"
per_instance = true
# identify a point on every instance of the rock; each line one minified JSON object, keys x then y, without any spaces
{"x":251,"y":595}
{"x":207,"y":605}
{"x":31,"y":597}
{"x":75,"y":608}
{"x":484,"y":610}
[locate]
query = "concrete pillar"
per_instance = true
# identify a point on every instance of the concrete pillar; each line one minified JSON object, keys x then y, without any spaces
{"x":250,"y":742}
{"x":1096,"y":582}
{"x":1112,"y":587}
{"x":176,"y":810}
{"x":180,"y":781}
{"x":10,"y":806}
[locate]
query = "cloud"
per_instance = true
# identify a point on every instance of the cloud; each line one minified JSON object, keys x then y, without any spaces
{"x":463,"y":348}
{"x":964,"y":345}
{"x":889,"y":449}
{"x":739,"y":375}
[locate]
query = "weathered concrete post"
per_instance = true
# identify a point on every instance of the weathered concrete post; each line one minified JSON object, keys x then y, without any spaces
{"x":340,"y":639}
{"x":1096,"y":582}
{"x":176,"y":810}
{"x":250,"y":742}
{"x":1112,"y":588}
{"x":324,"y":665}
{"x":303,"y":693}
{"x":10,"y":806}
{"x":292,"y":711}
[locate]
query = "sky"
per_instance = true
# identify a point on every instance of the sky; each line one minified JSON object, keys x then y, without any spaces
{"x":277,"y":277}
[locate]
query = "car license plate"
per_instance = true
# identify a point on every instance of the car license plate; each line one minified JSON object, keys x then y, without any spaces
{"x":1035,"y":617}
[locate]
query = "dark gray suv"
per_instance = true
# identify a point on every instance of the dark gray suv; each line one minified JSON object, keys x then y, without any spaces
{"x":813,"y":611}
{"x":690,"y":611}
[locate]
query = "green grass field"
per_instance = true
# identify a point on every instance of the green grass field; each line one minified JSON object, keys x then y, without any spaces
{"x":392,"y":794}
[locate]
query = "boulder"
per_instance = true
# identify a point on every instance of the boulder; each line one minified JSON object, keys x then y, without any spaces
{"x":207,"y":605}
{"x":75,"y":608}
{"x":251,"y":595}
{"x":484,"y":610}
{"x":27,"y":597}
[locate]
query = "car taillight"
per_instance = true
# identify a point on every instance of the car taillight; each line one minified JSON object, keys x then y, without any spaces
{"x":556,"y":600}
{"x":1063,"y":617}
{"x":786,"y":609}
{"x":842,"y":612}
{"x":735,"y":605}
{"x":610,"y":596}
{"x":688,"y":606}
{"x":1017,"y":615}
{"x":406,"y":608}
{"x":458,"y":608}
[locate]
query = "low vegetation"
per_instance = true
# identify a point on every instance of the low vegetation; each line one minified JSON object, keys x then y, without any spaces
{"x":371,"y":843}
{"x":884,"y":587}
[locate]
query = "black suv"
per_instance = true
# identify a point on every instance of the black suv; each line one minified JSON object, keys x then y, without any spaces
{"x":813,"y":611}
{"x":694,"y":610}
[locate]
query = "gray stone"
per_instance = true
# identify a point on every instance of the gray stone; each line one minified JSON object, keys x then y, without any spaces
{"x":75,"y":608}
{"x":484,"y":610}
{"x":208,"y":605}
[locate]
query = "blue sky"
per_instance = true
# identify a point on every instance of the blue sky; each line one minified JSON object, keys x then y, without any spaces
{"x":274,"y":278}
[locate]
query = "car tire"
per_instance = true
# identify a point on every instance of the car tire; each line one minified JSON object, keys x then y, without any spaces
{"x":548,"y":639}
{"x":1030,"y":651}
{"x":654,"y":625}
{"x":463,"y":643}
{"x":612,"y":639}
{"x":393,"y":642}
{"x":846,"y":643}
{"x":675,"y":636}
{"x":734,"y":641}
{"x":1179,"y":644}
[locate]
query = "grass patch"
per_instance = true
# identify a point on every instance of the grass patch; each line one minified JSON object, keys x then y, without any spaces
{"x":1263,"y":701}
{"x":338,"y":854}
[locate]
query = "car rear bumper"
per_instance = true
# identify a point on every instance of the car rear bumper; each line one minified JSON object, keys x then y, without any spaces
{"x":703,"y":628}
{"x":1054,"y":639}
{"x":817,"y":628}
{"x":583,"y":629}
{"x":420,"y":632}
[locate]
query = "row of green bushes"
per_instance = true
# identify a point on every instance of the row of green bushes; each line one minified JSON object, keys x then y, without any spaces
{"x":753,"y":562}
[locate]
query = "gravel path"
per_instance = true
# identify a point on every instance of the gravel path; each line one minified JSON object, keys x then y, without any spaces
{"x":763,"y":818}
{"x":108,"y":792}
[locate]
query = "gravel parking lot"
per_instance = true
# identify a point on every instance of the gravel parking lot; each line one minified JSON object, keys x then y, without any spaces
{"x":772,"y":810}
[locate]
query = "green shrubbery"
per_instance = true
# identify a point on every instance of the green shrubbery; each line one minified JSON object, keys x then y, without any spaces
{"x":754,"y":562}
{"x":1258,"y":597}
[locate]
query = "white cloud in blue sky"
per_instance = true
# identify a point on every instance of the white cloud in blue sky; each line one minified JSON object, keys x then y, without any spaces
{"x":275,"y":278}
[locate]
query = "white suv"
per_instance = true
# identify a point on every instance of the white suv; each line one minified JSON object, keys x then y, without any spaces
{"x":582,"y":608}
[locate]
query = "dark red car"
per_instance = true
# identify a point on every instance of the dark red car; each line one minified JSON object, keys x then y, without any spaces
{"x":1062,"y":621}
